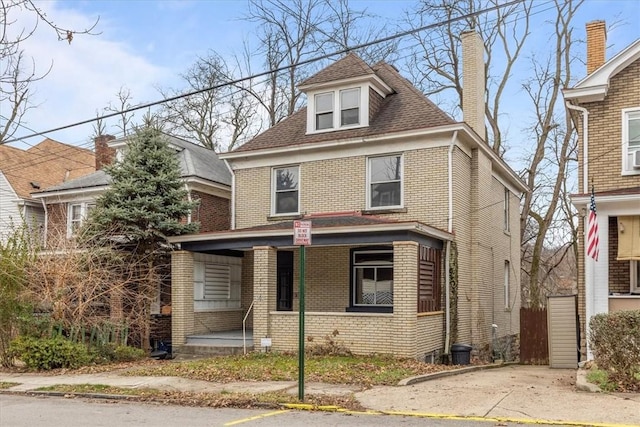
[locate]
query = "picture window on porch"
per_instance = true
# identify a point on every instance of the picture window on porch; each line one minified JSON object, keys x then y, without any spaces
{"x":385,"y":181}
{"x":285,"y":196}
{"x":215,"y":286}
{"x":372,"y":279}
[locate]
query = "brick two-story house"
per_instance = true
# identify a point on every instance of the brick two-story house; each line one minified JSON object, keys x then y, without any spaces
{"x":398,"y":194}
{"x":605,"y":107}
{"x":205,"y":176}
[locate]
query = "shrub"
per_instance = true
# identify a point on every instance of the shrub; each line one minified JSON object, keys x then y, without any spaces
{"x":49,"y":353}
{"x":330,"y":347}
{"x":615,"y":343}
{"x":119,"y":353}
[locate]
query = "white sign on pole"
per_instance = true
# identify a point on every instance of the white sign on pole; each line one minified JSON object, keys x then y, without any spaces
{"x":302,"y":233}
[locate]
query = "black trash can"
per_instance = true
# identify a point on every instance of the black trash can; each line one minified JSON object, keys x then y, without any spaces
{"x":461,"y":354}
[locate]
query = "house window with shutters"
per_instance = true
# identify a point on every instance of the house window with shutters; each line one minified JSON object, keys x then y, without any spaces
{"x":429,"y":286}
{"x":216,"y":285}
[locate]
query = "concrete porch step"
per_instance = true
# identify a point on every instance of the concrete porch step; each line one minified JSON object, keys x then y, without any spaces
{"x":217,"y":343}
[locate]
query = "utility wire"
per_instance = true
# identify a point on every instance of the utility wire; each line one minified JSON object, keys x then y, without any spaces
{"x":266,"y":73}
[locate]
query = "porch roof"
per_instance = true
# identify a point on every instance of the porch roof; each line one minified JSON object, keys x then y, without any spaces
{"x":326,"y":230}
{"x":615,"y":195}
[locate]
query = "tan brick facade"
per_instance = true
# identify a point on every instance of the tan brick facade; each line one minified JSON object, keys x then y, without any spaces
{"x":596,"y":45}
{"x":482,"y":243}
{"x":605,"y":124}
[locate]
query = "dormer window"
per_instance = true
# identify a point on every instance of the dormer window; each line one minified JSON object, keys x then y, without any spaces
{"x":338,"y":109}
{"x":324,"y":111}
{"x":350,"y":107}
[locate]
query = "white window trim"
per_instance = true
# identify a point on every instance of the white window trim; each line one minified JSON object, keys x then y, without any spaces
{"x":507,"y":284}
{"x":363,"y":109}
{"x":84,"y":210}
{"x":273,"y":190}
{"x":506,"y":210}
{"x":368,"y":183}
{"x":634,"y":287}
{"x":627,"y":168}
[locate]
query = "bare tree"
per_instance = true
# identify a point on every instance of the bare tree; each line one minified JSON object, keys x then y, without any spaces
{"x":547,"y":229}
{"x":291,"y":32}
{"x":553,"y":153}
{"x":435,"y":63}
{"x":216,"y":112}
{"x":17,"y":74}
{"x":123,"y":104}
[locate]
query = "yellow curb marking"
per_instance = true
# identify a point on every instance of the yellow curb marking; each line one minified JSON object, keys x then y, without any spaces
{"x":303,"y":406}
{"x":257,"y":417}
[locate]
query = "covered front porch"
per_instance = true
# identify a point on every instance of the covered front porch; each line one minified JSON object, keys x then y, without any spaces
{"x":374,"y":286}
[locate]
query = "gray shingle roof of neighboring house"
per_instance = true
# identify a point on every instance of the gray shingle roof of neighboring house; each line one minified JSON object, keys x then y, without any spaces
{"x":403,"y":110}
{"x":195,"y":162}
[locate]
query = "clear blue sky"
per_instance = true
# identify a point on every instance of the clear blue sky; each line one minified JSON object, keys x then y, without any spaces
{"x":146,"y":44}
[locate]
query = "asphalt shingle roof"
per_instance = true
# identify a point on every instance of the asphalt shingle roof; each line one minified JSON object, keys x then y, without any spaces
{"x":405,"y":109}
{"x":195,"y":161}
{"x":43,"y":165}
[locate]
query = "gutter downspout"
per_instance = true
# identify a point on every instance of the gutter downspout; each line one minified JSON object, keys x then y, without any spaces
{"x":46,"y":222}
{"x":585,"y":144}
{"x":233,"y":195}
{"x":189,"y":199}
{"x":447,"y":255}
{"x":589,"y":273}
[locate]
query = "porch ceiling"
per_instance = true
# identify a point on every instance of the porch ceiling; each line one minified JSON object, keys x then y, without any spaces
{"x":326,"y":231}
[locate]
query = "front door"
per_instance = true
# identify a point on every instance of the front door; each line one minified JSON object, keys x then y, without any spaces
{"x":285,"y":281}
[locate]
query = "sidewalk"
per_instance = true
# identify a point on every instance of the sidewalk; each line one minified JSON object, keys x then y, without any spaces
{"x":513,"y":393}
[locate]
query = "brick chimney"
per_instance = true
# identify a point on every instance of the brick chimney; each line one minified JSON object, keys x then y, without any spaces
{"x":473,"y":82}
{"x":104,"y":153}
{"x":596,"y":45}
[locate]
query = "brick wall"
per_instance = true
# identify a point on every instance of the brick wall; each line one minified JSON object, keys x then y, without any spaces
{"x":218,"y":320}
{"x":213,"y":212}
{"x":605,"y":132}
{"x":322,"y":185}
{"x":182,"y":296}
{"x":596,"y":44}
{"x":605,"y":159}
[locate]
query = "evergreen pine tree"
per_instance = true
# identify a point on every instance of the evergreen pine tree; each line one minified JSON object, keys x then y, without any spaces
{"x":146,"y":201}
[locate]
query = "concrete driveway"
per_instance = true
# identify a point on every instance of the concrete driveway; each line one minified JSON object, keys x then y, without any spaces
{"x":515,"y":393}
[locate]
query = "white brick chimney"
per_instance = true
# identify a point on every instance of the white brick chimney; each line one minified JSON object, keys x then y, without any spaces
{"x":473,"y":82}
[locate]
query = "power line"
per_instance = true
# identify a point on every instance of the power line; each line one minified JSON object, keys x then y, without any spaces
{"x":266,"y":73}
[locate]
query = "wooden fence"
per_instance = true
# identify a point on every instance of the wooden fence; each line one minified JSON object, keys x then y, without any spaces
{"x":534,"y":342}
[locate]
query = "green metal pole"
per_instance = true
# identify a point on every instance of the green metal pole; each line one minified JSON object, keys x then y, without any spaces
{"x":301,"y":330}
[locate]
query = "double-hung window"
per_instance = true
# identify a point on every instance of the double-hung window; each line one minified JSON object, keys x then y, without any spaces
{"x":506,"y":210}
{"x":324,"y":110}
{"x":385,"y":181}
{"x":631,"y":140}
{"x":77,"y":213}
{"x":285,"y":190}
{"x":372,"y":278}
{"x":350,"y":107}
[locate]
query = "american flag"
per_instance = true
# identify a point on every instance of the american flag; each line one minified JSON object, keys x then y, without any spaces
{"x":593,"y":241}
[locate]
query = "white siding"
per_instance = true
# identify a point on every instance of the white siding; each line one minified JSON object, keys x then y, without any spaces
{"x":9,"y":210}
